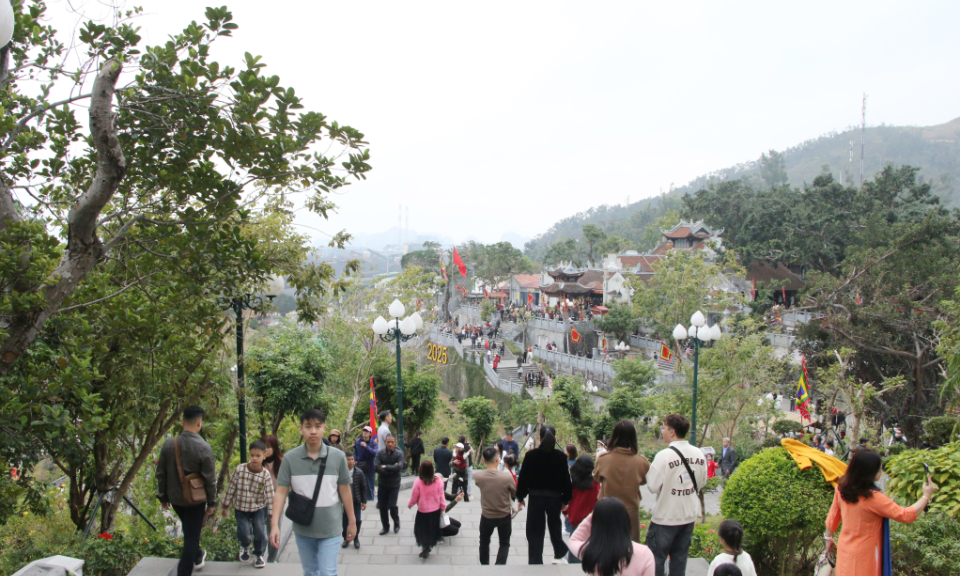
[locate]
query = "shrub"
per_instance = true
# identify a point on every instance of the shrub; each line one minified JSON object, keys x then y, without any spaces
{"x":928,"y":547}
{"x":781,"y":427}
{"x":939,"y":429}
{"x":782,"y":509}
{"x":770,"y":442}
{"x":907,"y":476}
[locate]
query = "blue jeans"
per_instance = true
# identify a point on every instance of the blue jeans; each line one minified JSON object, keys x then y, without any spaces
{"x":371,"y":477}
{"x":318,"y":556}
{"x":255,"y":521}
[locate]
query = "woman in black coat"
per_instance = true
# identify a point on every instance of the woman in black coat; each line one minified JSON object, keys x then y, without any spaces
{"x":545,"y":477}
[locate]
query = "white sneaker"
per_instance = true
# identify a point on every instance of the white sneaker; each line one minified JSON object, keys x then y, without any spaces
{"x":259,"y":563}
{"x":203,"y":560}
{"x":560,"y":560}
{"x":244,"y":555}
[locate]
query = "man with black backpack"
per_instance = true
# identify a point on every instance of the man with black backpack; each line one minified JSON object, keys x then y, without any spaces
{"x":676,"y":476}
{"x":186,"y":480}
{"x":317,"y":479}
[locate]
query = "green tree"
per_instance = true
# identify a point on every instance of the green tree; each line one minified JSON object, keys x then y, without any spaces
{"x":481,"y":414}
{"x":570,"y":395}
{"x":616,"y":245}
{"x":653,"y":235}
{"x":500,"y":261}
{"x":773,"y":169}
{"x":191,"y":138}
{"x":288,"y":372}
{"x":427,"y":258}
{"x":620,"y":321}
{"x":684,"y":282}
{"x":565,"y":250}
{"x":593,"y":235}
{"x":735,"y":372}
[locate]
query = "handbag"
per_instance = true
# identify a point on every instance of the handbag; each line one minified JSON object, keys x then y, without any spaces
{"x":193,"y":485}
{"x":300,"y":509}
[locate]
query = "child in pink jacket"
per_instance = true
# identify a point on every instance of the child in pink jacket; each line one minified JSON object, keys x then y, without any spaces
{"x":428,"y":497}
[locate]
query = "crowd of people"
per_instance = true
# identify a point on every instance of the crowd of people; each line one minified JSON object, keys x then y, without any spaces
{"x":325,"y":489}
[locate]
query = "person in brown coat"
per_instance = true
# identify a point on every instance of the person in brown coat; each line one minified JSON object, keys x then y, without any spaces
{"x":621,"y":471}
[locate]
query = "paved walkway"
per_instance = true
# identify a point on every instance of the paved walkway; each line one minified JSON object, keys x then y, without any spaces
{"x":461,"y":550}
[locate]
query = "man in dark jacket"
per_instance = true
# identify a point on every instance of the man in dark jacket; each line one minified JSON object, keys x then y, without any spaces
{"x":417,"y":450}
{"x":358,"y":486}
{"x":442,"y":457}
{"x":510,"y":445}
{"x":728,"y":459}
{"x":196,"y":456}
{"x":365,"y":450}
{"x":545,"y":478}
{"x":389,"y":463}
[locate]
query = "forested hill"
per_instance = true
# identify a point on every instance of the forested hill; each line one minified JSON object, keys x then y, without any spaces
{"x":934,"y":149}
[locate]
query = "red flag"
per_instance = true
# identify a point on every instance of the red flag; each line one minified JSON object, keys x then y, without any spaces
{"x":418,"y":304}
{"x":373,"y":410}
{"x":530,"y":298}
{"x":459,"y":262}
{"x":784,"y":294}
{"x":443,"y":268}
{"x":753,"y":289}
{"x":574,"y":335}
{"x":485,"y":293}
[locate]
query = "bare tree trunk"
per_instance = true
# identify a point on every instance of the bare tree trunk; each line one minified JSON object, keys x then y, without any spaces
{"x":83,"y":248}
{"x":225,"y":464}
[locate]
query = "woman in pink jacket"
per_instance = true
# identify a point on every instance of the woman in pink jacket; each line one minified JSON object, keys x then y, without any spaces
{"x":603,"y":545}
{"x":428,"y":497}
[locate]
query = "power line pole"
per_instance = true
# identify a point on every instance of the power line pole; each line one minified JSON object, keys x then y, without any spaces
{"x":863,"y":128}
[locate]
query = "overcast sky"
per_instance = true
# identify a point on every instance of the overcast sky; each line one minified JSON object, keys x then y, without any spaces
{"x":504,"y":117}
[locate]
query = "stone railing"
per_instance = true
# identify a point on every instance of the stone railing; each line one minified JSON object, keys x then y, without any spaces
{"x":548,"y":324}
{"x":500,"y":384}
{"x":793,"y":318}
{"x":644,"y":342}
{"x":443,"y":338}
{"x":787,"y":341}
{"x":592,"y":366}
{"x":470,"y":310}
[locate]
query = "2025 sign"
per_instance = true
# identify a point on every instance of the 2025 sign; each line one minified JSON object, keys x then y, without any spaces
{"x":437,"y":353}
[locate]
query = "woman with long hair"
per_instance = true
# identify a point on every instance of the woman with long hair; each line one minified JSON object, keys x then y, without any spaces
{"x":544,"y":477}
{"x":864,"y":545}
{"x":604,"y":546}
{"x":273,"y":456}
{"x":428,"y":497}
{"x":621,"y":471}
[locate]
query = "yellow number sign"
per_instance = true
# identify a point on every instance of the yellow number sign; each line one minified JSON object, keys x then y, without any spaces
{"x":437,"y":353}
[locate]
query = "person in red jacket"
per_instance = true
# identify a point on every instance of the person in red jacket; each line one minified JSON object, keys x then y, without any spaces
{"x":585,"y":493}
{"x":711,"y":467}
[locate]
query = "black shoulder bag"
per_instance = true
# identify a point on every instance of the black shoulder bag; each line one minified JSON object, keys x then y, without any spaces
{"x":687,"y":466}
{"x":300,"y":509}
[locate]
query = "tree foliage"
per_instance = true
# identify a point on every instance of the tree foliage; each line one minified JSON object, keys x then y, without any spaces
{"x":288,"y":372}
{"x":621,"y":321}
{"x":782,"y":509}
{"x":481,"y":414}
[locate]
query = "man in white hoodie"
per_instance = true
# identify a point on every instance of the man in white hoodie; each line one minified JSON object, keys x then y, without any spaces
{"x":678,"y":501}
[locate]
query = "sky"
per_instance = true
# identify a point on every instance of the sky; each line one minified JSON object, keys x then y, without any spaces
{"x":497,"y":119}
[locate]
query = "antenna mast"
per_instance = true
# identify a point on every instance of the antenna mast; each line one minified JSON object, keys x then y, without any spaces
{"x":863,"y":127}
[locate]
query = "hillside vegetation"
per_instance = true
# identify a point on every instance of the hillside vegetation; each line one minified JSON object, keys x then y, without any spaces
{"x":933,"y":149}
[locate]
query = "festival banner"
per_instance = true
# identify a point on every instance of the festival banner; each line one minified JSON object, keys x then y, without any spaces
{"x":373,"y":410}
{"x":459,"y":262}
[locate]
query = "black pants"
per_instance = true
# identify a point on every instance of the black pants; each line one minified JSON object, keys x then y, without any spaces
{"x":346,"y":521}
{"x":415,"y":460}
{"x":672,"y":541}
{"x":452,"y":530}
{"x":504,"y":529}
{"x":192,"y":519}
{"x":544,"y":513}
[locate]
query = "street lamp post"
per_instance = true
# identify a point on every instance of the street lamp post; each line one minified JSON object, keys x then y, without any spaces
{"x":401,"y":331}
{"x":239,"y":304}
{"x":699,"y":334}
